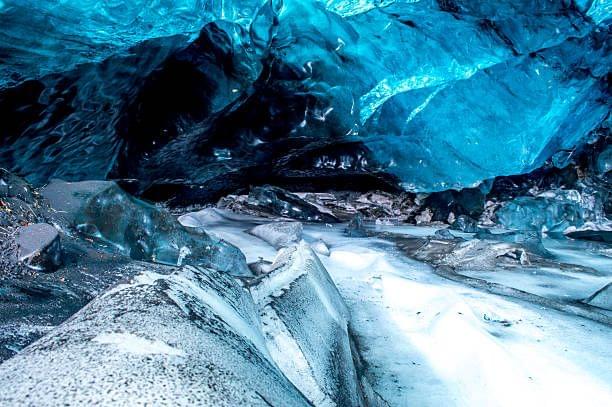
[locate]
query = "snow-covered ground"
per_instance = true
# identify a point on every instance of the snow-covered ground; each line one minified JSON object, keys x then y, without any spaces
{"x":428,"y":341}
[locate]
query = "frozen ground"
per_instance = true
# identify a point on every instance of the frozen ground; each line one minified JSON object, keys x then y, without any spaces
{"x":558,"y":284}
{"x":428,"y":341}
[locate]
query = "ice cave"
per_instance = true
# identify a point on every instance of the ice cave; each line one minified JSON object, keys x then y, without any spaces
{"x":305,"y":203}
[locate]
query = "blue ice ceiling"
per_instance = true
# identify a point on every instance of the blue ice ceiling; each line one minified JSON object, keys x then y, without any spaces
{"x":440,"y":94}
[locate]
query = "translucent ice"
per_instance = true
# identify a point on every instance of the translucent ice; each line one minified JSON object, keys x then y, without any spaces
{"x":438,"y":94}
{"x":103,"y":211}
{"x":541,"y":214}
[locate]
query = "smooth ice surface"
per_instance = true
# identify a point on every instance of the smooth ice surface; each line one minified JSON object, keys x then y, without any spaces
{"x":428,"y":341}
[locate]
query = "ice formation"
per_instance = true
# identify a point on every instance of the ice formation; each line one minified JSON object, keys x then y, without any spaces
{"x":176,"y":331}
{"x":305,"y":202}
{"x":103,"y":211}
{"x":437,"y":94}
{"x":279,"y":234}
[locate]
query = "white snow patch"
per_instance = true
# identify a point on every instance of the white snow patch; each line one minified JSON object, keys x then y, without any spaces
{"x":136,"y":345}
{"x":290,"y":359}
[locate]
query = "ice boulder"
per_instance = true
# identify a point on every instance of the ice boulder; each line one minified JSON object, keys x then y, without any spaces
{"x":103,"y":211}
{"x":540,"y":214}
{"x":465,"y":224}
{"x":444,"y":234}
{"x":283,"y":203}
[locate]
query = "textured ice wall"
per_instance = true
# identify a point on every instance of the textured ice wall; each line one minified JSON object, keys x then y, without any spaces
{"x":442,"y":94}
{"x":39,"y":37}
{"x":454,"y":92}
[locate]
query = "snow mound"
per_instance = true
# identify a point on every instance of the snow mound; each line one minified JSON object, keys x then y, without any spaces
{"x":189,"y":338}
{"x":279,"y":234}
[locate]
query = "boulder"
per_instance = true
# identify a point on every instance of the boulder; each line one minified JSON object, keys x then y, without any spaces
{"x":104,"y":212}
{"x":280,"y":202}
{"x":444,"y":234}
{"x":39,"y":247}
{"x":279,"y":234}
{"x":465,"y":224}
{"x":270,"y":201}
{"x":602,"y":298}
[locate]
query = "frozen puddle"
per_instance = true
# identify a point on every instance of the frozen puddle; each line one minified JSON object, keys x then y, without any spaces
{"x":430,"y":342}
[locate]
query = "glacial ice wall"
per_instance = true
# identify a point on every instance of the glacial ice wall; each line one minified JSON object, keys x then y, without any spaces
{"x":439,"y":94}
{"x":40,"y":37}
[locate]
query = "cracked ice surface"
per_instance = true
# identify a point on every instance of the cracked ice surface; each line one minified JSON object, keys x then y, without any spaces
{"x":427,"y":341}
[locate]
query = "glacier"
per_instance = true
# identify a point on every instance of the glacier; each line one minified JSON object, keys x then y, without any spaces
{"x":305,"y":202}
{"x":391,"y":315}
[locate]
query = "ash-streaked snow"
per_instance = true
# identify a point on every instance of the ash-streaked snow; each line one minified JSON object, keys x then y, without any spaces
{"x":428,"y":341}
